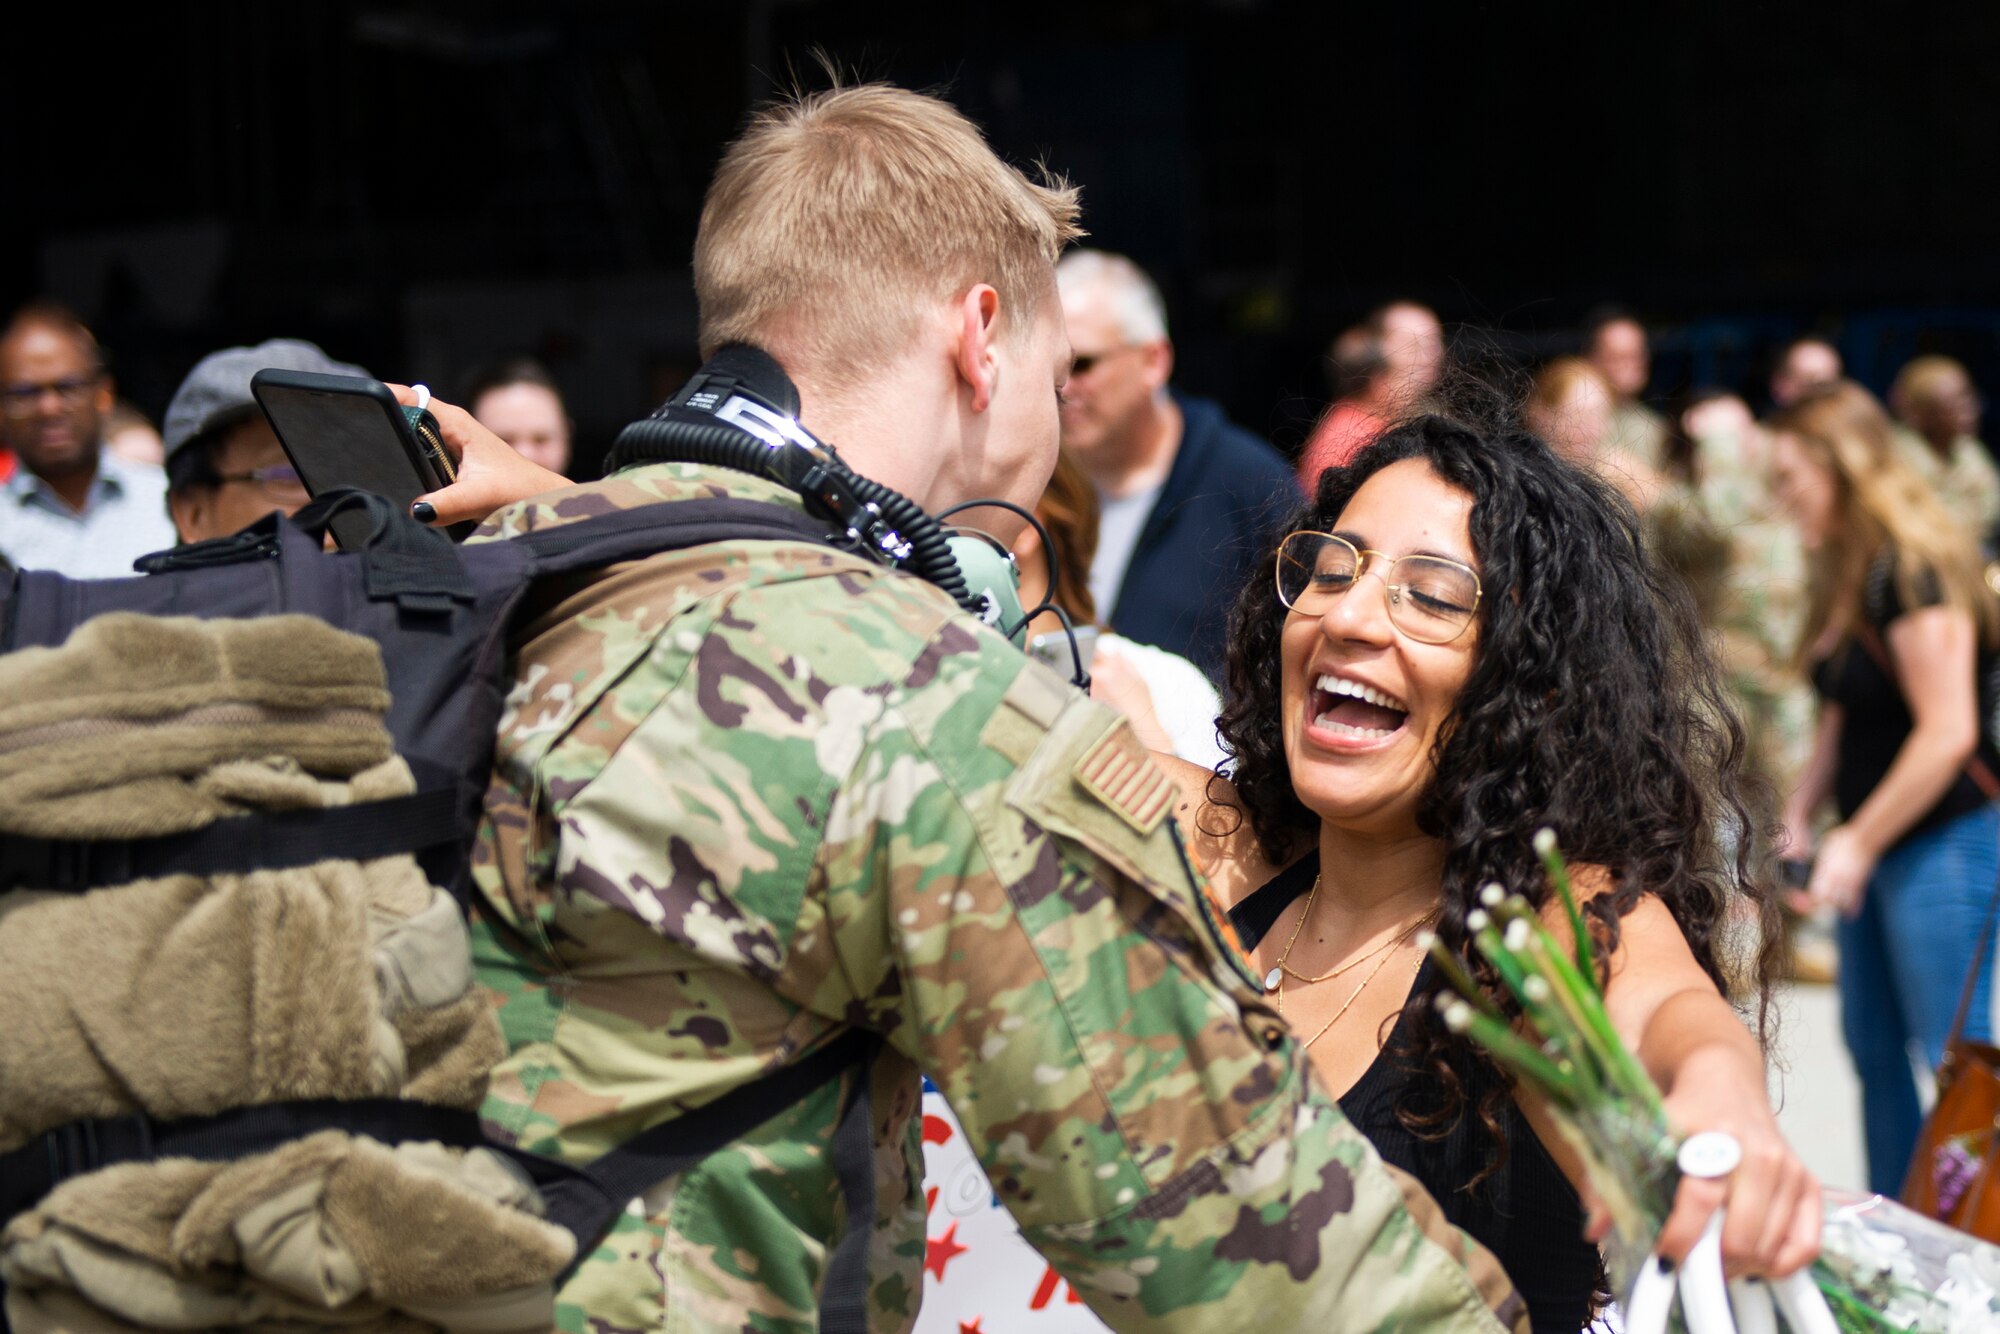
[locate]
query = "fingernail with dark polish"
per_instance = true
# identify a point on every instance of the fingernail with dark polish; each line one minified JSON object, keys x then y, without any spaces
{"x":423,"y":511}
{"x":1666,"y":1265}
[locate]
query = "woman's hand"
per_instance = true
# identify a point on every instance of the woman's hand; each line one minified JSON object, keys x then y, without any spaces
{"x":490,"y":473}
{"x":1712,"y":1072}
{"x":1771,"y":1222}
{"x":1841,"y":870}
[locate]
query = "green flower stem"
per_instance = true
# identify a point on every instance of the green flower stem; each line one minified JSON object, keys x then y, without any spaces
{"x":1558,"y":871}
{"x":1461,"y":981}
{"x":1515,"y":1052}
{"x":1504,"y":961}
{"x":1554,"y":1024}
{"x":1619,"y":1066}
{"x":1851,"y":1312}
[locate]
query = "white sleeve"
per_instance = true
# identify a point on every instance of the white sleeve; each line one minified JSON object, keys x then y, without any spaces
{"x":1184,"y":701}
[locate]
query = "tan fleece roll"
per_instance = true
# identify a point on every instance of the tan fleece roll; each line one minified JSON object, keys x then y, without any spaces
{"x":187,"y":995}
{"x":105,"y":736}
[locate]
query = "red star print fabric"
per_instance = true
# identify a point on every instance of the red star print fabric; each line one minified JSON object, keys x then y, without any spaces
{"x":980,"y":1277}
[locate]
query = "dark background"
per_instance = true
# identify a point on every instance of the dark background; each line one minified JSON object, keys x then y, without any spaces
{"x":422,"y":186}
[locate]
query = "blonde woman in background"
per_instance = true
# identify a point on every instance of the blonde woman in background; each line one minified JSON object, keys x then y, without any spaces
{"x":1899,"y":632}
{"x":1936,"y":401}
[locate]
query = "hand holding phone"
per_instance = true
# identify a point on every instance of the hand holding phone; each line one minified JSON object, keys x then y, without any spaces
{"x":490,"y":473}
{"x":344,"y":430}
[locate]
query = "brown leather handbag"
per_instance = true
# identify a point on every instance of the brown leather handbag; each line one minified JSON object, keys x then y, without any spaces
{"x":1955,"y":1173}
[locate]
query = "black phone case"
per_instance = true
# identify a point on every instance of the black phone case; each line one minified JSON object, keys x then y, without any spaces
{"x":342,"y":430}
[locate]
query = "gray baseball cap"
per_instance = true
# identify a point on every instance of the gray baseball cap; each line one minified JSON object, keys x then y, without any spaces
{"x":216,"y":393}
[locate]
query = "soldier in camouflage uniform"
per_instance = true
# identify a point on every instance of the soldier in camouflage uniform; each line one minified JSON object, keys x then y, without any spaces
{"x":1743,"y":555}
{"x":1757,"y":604}
{"x":752,"y":794}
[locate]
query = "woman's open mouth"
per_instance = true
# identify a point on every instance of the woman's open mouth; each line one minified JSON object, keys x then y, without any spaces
{"x":1349,"y":708}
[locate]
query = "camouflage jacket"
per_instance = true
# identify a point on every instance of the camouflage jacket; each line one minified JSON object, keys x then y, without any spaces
{"x":749,"y":794}
{"x":1966,"y":481}
{"x":1637,"y":433}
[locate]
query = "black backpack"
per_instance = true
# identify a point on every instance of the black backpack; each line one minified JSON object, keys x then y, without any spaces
{"x":441,"y":614}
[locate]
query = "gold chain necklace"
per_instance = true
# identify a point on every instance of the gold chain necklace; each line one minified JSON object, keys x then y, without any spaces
{"x":1349,"y":1004}
{"x":1275,"y":979}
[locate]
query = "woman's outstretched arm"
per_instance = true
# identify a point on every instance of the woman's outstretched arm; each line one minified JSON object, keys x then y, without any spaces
{"x":1934,"y":651}
{"x":1711,"y":1070}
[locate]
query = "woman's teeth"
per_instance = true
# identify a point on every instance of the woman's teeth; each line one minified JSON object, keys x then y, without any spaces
{"x":1338,"y":689}
{"x":1339,"y":685}
{"x":1326,"y":720}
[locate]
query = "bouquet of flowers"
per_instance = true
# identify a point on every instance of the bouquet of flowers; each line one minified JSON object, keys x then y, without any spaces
{"x":1882,"y":1267}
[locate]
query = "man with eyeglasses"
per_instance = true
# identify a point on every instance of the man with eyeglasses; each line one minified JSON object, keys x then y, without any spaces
{"x":1188,"y":499}
{"x":225,"y":467}
{"x":71,"y":505}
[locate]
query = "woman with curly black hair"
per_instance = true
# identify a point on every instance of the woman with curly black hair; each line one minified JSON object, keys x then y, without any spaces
{"x":1461,"y":644}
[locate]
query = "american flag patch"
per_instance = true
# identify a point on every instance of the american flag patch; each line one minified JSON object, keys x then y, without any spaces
{"x":1119,"y":773}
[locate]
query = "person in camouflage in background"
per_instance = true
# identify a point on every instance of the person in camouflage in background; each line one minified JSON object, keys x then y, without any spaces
{"x":1760,"y":596}
{"x":751,"y":794}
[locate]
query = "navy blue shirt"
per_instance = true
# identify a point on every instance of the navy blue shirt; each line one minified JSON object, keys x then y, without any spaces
{"x":1226,"y":501}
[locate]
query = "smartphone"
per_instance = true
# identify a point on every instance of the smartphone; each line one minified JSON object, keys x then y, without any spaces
{"x":343,"y":430}
{"x":1053,"y":649}
{"x":1795,"y":872}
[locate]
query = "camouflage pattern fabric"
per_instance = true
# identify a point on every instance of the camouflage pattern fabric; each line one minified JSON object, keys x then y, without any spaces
{"x":1759,"y":606}
{"x":1637,"y":433}
{"x":754,"y":793}
{"x":1966,"y":481}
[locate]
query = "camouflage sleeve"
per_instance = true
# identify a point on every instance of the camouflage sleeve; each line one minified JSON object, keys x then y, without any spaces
{"x":1004,"y":890}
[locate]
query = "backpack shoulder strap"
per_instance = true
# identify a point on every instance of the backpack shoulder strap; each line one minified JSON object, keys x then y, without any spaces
{"x":237,"y":845}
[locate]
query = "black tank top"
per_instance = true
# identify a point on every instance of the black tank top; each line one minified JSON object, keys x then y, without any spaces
{"x":1527,"y":1213}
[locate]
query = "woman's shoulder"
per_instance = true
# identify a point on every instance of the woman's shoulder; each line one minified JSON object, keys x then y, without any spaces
{"x":1897,"y":584}
{"x":1217,"y":831}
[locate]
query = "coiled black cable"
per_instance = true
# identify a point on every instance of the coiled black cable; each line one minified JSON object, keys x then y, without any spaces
{"x":679,"y":434}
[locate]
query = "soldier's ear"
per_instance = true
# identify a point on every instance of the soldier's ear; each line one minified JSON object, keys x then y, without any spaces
{"x":978,"y":362}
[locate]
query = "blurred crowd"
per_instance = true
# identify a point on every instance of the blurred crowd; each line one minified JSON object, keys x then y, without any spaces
{"x":1162,"y":505}
{"x":1786,"y":507}
{"x":1178,"y":502}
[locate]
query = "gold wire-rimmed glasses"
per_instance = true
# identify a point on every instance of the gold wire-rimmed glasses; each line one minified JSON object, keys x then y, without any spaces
{"x":1430,"y":599}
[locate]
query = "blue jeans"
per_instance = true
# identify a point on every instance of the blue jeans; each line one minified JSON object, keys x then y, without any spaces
{"x":1903,"y":963}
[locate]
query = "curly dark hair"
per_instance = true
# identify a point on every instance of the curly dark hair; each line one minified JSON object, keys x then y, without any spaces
{"x":1593,"y":707}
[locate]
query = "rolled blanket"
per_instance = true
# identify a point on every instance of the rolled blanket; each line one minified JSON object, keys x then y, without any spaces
{"x":188,"y":995}
{"x":106,"y":736}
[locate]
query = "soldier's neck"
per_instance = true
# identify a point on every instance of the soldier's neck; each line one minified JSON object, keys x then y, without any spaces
{"x":898,"y":431}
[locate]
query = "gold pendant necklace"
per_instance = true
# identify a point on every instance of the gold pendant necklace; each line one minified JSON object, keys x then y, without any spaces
{"x":1274,"y":981}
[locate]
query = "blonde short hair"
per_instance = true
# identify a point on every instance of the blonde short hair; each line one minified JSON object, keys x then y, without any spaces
{"x":842,"y":218}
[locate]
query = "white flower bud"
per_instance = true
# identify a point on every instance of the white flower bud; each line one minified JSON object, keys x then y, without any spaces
{"x":1545,"y":841}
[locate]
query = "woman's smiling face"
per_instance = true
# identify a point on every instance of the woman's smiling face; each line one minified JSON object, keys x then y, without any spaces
{"x":1362,"y":700}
